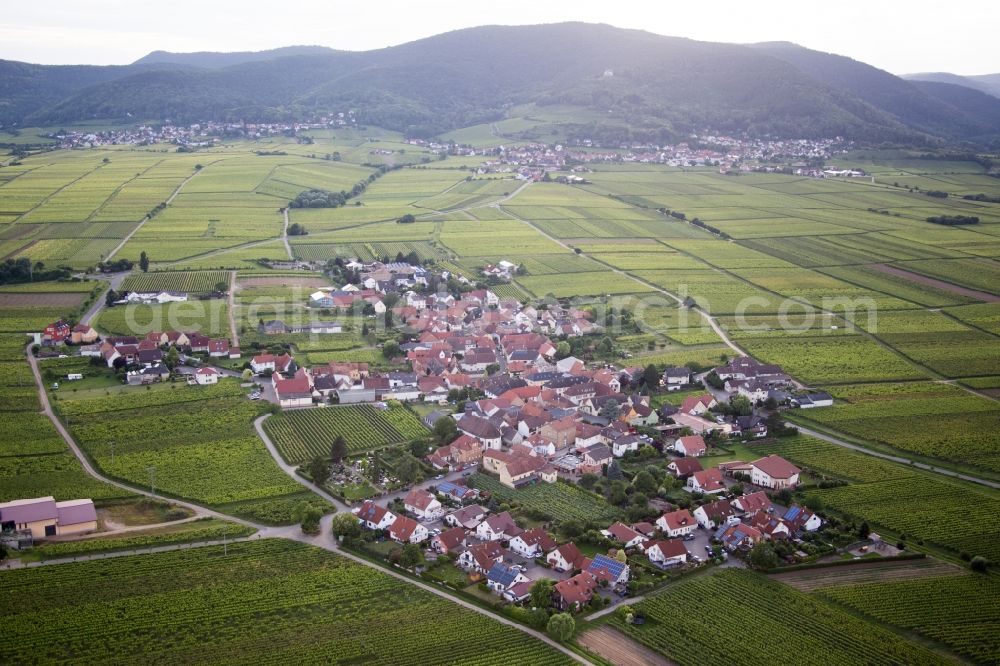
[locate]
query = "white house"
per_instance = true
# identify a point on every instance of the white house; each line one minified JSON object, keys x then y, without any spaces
{"x":677,"y":523}
{"x":623,"y":534}
{"x":374,"y":517}
{"x":708,"y":481}
{"x":566,"y":557}
{"x":207,"y":375}
{"x":502,"y":577}
{"x":667,"y":553}
{"x":532,"y":543}
{"x":691,"y":445}
{"x":423,"y":505}
{"x":623,"y":445}
{"x":775,"y":472}
{"x":497,"y":527}
{"x":716,"y":514}
{"x":407,"y":530}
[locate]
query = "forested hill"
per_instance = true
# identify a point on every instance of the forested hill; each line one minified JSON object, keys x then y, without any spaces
{"x":667,"y":84}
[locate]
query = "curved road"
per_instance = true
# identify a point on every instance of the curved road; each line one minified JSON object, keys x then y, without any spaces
{"x":322,"y":540}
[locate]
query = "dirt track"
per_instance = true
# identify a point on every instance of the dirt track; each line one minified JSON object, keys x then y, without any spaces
{"x":808,"y":580}
{"x":620,"y":649}
{"x":937,"y":284}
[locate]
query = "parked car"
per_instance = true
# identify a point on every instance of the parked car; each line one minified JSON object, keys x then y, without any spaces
{"x":689,"y":537}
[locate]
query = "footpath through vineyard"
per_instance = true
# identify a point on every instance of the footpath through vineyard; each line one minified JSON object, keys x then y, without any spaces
{"x":324,"y":539}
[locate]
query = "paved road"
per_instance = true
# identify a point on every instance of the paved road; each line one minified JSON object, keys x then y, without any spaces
{"x":899,"y":459}
{"x":114,"y":281}
{"x":284,"y":233}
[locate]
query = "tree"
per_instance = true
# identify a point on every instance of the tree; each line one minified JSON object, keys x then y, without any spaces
{"x":418,"y":448}
{"x":651,"y":377}
{"x":588,"y":480}
{"x":345,"y":525}
{"x":741,"y":405}
{"x":173,"y":358}
{"x":308,"y":516}
{"x":617,"y":495}
{"x":644,"y":482}
{"x":143,"y":261}
{"x":614,"y":471}
{"x":319,"y":470}
{"x":609,"y":410}
{"x":247,"y":375}
{"x":110,"y":298}
{"x":561,"y":627}
{"x":445,"y":430}
{"x":621,"y":556}
{"x":411,"y":556}
{"x":979,"y":564}
{"x":563,"y":349}
{"x":541,"y":593}
{"x":390,"y":349}
{"x":762,"y":556}
{"x":338,"y":449}
{"x":605,"y":346}
{"x":408,"y":468}
{"x":221,"y":286}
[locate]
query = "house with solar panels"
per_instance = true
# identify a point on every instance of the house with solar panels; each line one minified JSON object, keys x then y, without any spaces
{"x":603,"y":567}
{"x":502,"y":577}
{"x":738,"y":537}
{"x":801,"y":519}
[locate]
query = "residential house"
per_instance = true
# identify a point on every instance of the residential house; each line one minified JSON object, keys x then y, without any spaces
{"x":738,"y":537}
{"x":775,"y":472}
{"x":677,"y":523}
{"x":682,"y":468}
{"x":691,"y":445}
{"x":423,"y":505}
{"x":707,"y":481}
{"x":715,"y":514}
{"x":624,"y":444}
{"x":574,"y":593}
{"x":374,"y":517}
{"x":498,"y":526}
{"x":83,"y":334}
{"x":611,"y":570}
{"x":800,"y":519}
{"x":696,"y":405}
{"x":294,"y":392}
{"x":501,"y":577}
{"x":56,"y":332}
{"x":667,"y":553}
{"x":566,"y":557}
{"x":407,"y":530}
{"x":623,"y":534}
{"x":675,"y":378}
{"x":753,"y":502}
{"x":481,"y":557}
{"x":482,"y":429}
{"x":514,"y":471}
{"x":468,"y":517}
{"x":449,"y":541}
{"x":207,"y":375}
{"x":532,"y":543}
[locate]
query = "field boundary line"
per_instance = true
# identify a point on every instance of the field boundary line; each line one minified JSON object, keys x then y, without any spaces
{"x":147,"y":218}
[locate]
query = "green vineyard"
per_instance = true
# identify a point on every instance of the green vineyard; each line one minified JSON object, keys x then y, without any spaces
{"x":267,"y":602}
{"x":301,"y":435}
{"x":959,"y":611}
{"x":189,"y":282}
{"x":695,"y":622}
{"x":561,"y":501}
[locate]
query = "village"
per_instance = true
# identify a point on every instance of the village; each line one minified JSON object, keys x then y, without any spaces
{"x":531,"y":414}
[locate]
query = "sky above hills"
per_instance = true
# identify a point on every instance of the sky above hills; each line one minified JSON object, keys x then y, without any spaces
{"x":901,"y":37}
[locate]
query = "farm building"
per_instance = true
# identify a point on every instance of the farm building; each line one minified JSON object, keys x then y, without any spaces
{"x":45,"y":517}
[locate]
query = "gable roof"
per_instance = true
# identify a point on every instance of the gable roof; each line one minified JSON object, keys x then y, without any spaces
{"x":776,"y":467}
{"x":603,"y":566}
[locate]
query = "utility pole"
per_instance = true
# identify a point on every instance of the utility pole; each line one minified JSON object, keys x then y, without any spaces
{"x":112,"y":443}
{"x":152,"y":479}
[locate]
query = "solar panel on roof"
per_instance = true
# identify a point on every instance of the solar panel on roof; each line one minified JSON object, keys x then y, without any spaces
{"x":613,"y":567}
{"x":792,"y":513}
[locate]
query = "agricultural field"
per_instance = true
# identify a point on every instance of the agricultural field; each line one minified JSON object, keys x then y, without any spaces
{"x":271,"y":601}
{"x":204,"y":529}
{"x":958,"y":611}
{"x":567,"y":285}
{"x":560,"y":501}
{"x":301,"y":435}
{"x":208,"y":317}
{"x":199,"y":440}
{"x":778,"y":621}
{"x":188,"y":282}
{"x":929,"y":419}
{"x":828,"y":360}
